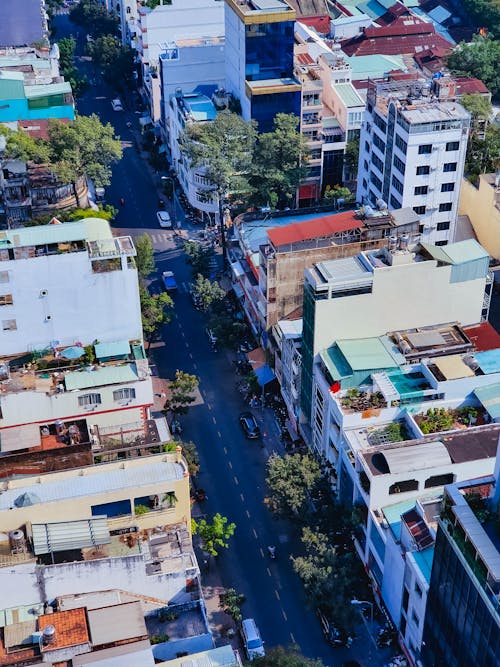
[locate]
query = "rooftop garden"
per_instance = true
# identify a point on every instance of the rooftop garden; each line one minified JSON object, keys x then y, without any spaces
{"x":394,"y":432}
{"x":356,"y":400}
{"x":447,"y":419}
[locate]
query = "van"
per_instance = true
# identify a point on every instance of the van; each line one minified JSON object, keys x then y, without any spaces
{"x":254,"y":646}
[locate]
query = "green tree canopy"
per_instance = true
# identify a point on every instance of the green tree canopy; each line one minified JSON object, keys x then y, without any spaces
{"x":336,"y":193}
{"x":278,"y":656}
{"x":155,"y":311}
{"x":85,"y":146}
{"x":209,"y":291}
{"x":484,"y":13}
{"x":214,"y":535}
{"x":115,"y":59}
{"x":182,"y":393}
{"x":95,"y":18}
{"x":78,"y":82}
{"x":228,"y":330}
{"x":478,"y":106}
{"x":230,"y":602}
{"x":483,"y":154}
{"x":199,"y":257}
{"x":145,"y":255}
{"x":291,"y":479}
{"x":279,"y":163}
{"x":479,"y":59}
{"x":351,"y":158}
{"x":19,"y":145}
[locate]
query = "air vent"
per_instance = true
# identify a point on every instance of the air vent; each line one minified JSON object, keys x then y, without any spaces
{"x":44,"y":292}
{"x":48,"y":318}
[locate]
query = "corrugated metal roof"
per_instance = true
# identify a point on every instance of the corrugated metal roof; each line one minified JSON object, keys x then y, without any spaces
{"x":223,"y":656}
{"x":32,"y":92}
{"x":89,"y":229}
{"x":416,"y":457}
{"x":100,"y":377}
{"x":424,"y":561}
{"x":115,"y":349}
{"x":116,"y":623}
{"x":19,"y":634}
{"x":95,"y":481}
{"x":311,"y":229}
{"x":349,"y":95}
{"x":136,"y":654}
{"x":366,"y":354}
{"x":453,"y":367}
{"x":374,"y":66}
{"x":457,"y":253}
{"x":490,"y":398}
{"x":489,"y":361}
{"x":336,"y":363}
{"x":65,"y":535}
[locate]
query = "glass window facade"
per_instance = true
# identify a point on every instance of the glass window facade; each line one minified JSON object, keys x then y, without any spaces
{"x":461,"y":628}
{"x":265,"y":108}
{"x":309,"y":312}
{"x":269,"y":51}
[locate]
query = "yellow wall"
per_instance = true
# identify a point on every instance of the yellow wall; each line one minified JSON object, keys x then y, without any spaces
{"x":80,"y":507}
{"x":479,"y":205}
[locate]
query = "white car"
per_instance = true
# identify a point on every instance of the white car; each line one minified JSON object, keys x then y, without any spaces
{"x":164,"y":219}
{"x":116,"y":105}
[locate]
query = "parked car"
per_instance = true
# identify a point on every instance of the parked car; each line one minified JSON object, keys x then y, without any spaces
{"x":169,"y":281}
{"x":164,"y":219}
{"x":116,"y":104}
{"x":249,"y":425}
{"x":254,"y":646}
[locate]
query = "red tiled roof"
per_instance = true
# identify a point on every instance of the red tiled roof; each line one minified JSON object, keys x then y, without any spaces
{"x":320,"y":23}
{"x":396,"y":10}
{"x":466,"y":85}
{"x":484,"y":337}
{"x":392,"y":46}
{"x":401,"y":26}
{"x":305,"y":59}
{"x":311,"y":229}
{"x":71,"y":627}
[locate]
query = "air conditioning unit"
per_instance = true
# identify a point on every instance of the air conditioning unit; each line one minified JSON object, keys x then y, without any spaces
{"x":44,"y":292}
{"x":48,"y":318}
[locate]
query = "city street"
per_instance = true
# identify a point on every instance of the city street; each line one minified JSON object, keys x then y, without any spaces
{"x":232,"y":467}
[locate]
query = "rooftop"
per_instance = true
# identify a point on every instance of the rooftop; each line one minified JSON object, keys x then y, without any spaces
{"x":54,"y":487}
{"x":490,"y":399}
{"x":268,"y":10}
{"x":348,"y":95}
{"x":117,"y":623}
{"x":326,"y":225}
{"x":70,"y":626}
{"x":375,"y":65}
{"x":483,"y":336}
{"x":89,"y":229}
{"x":137,"y":654}
{"x":434,"y":111}
{"x":196,"y":106}
{"x":223,"y":656}
{"x":367,"y":353}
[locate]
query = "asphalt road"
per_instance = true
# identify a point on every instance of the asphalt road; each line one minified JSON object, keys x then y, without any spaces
{"x":232,"y":468}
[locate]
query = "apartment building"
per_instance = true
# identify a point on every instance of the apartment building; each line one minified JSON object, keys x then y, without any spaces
{"x":412,"y":152}
{"x":71,"y":350}
{"x":389,"y":289}
{"x":462,"y":621}
{"x":259,"y":59}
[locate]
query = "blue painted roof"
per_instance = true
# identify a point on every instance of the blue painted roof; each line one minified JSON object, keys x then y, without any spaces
{"x":489,"y":361}
{"x":424,"y":561}
{"x":393,"y":514}
{"x":200,"y":106}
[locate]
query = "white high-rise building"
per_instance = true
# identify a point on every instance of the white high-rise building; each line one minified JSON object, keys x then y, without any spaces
{"x":412,"y":153}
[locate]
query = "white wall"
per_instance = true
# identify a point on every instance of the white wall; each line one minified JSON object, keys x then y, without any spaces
{"x":392,"y":583}
{"x":197,"y":65}
{"x":83,"y":305}
{"x":410,"y":295}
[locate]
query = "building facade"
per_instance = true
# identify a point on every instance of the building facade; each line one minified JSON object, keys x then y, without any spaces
{"x":412,"y":153}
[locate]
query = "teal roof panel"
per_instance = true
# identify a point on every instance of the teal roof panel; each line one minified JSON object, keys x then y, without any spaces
{"x":336,"y":363}
{"x":348,"y":95}
{"x":32,"y":92}
{"x":489,"y":361}
{"x":424,"y":561}
{"x":117,"y":348}
{"x":89,"y":229}
{"x":100,"y":377}
{"x":457,"y":253}
{"x":366,"y":353}
{"x":393,"y":514}
{"x":490,"y":398}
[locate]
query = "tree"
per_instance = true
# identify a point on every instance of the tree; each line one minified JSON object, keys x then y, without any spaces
{"x":85,"y":147}
{"x":483,"y":153}
{"x":115,"y":59}
{"x":190,"y":453}
{"x":78,"y":83}
{"x":278,"y":656}
{"x":223,"y":149}
{"x":19,"y":145}
{"x":351,"y":158}
{"x":479,"y":59}
{"x":209,"y":291}
{"x":230,"y":602}
{"x":213,"y":535}
{"x":227,"y":330}
{"x":145,"y":255}
{"x":181,"y":390}
{"x":484,"y":13}
{"x":336,"y":193}
{"x":199,"y":257}
{"x":155,"y":312}
{"x":94,"y":18}
{"x":291,"y":479}
{"x":279,"y":163}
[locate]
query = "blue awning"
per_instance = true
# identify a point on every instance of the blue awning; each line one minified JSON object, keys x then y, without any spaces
{"x":264,"y":375}
{"x":117,"y":349}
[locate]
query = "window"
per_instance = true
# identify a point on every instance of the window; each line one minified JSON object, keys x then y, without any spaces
{"x":423,"y":170}
{"x":419,"y":210}
{"x":443,"y":226}
{"x":89,"y":399}
{"x":395,"y":203}
{"x":365,"y":183}
{"x":452,"y":146}
{"x":421,"y":190}
{"x":397,"y":185}
{"x":9,"y":325}
{"x":447,"y":187}
{"x":367,"y":147}
{"x":415,"y":618}
{"x":376,"y":181}
{"x":6,"y":299}
{"x":124,"y":394}
{"x":445,"y":207}
{"x":418,"y":590}
{"x":441,"y":243}
{"x":381,"y":124}
{"x":399,"y":164}
{"x":377,"y":141}
{"x":378,"y":163}
{"x":450,"y":166}
{"x":402,"y":145}
{"x":4,"y":277}
{"x":425,"y":149}
{"x":365,"y":165}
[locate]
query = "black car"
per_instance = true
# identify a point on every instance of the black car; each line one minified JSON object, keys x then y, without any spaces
{"x":249,"y":425}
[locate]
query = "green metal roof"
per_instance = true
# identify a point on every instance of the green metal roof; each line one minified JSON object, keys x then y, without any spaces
{"x":374,"y":66}
{"x":116,"y":349}
{"x":490,"y":398}
{"x":366,"y":353}
{"x":88,"y":229}
{"x":348,"y":95}
{"x":336,"y":363}
{"x":457,"y":253}
{"x":32,"y":92}
{"x":16,"y":61}
{"x":330,"y":121}
{"x":101,"y":377}
{"x":11,"y":87}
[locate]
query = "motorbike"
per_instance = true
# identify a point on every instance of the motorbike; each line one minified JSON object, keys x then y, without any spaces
{"x":272,"y":552}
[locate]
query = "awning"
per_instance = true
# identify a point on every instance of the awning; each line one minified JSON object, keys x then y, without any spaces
{"x":264,"y":375}
{"x":118,"y":348}
{"x":101,"y":377}
{"x":19,"y":437}
{"x":66,"y":535}
{"x":256,"y":358}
